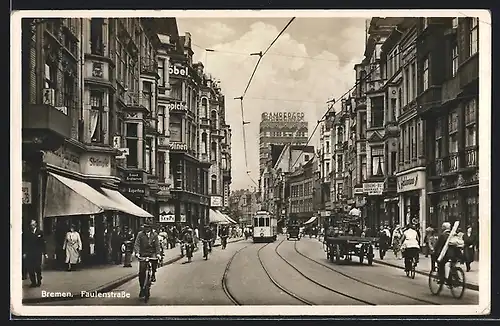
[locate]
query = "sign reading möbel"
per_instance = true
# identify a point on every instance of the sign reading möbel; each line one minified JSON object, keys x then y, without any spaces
{"x":283,"y":116}
{"x":178,"y":70}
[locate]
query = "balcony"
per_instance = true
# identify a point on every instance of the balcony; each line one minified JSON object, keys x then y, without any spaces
{"x":468,"y":71}
{"x":452,"y":162}
{"x":149,"y":66}
{"x":429,"y":99}
{"x":471,"y":157}
{"x":374,"y":86}
{"x":45,"y":126}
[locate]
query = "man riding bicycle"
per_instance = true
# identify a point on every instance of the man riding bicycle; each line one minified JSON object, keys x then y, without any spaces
{"x":452,"y":253}
{"x":147,"y":244}
{"x":208,"y":236}
{"x":411,"y":244}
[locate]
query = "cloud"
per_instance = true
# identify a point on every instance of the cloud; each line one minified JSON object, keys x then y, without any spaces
{"x":288,"y":79}
{"x":215,"y":30}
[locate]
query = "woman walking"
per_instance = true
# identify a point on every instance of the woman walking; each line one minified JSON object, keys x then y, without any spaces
{"x":72,"y":246}
{"x":396,"y":241}
{"x":469,"y":242}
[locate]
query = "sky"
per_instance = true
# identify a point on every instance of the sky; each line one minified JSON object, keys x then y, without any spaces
{"x":311,"y":63}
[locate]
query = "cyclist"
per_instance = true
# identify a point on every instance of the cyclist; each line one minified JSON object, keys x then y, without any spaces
{"x":449,"y":255}
{"x":411,"y":243}
{"x":147,"y":244}
{"x":208,"y":236}
{"x":187,"y":236}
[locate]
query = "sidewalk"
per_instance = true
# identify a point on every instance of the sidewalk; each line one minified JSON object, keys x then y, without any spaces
{"x":64,"y":285}
{"x":424,"y":266}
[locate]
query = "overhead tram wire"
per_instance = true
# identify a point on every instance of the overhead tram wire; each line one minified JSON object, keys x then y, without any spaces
{"x":410,"y":45}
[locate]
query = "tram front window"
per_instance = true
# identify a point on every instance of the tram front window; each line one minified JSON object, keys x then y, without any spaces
{"x":267,"y":221}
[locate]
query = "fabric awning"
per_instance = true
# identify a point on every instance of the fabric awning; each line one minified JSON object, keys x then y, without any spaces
{"x":68,"y":197}
{"x":229,"y":219}
{"x":312,"y":219}
{"x":215,"y":216}
{"x":125,"y":205}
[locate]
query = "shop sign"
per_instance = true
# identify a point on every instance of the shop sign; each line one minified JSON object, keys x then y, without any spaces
{"x":358,"y":191}
{"x":134,"y":190}
{"x":26,"y":187}
{"x":63,"y":158}
{"x":325,"y":213}
{"x":215,"y":201}
{"x":282,"y":116}
{"x":133,"y":176}
{"x":167,"y":218}
{"x":411,"y":181}
{"x":178,"y":146}
{"x":177,"y":106}
{"x":183,"y":218}
{"x":96,"y":164}
{"x":373,"y":188}
{"x":178,"y":70}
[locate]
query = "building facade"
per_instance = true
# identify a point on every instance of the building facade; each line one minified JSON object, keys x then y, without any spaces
{"x":326,"y":161}
{"x":301,"y":184}
{"x":100,"y":148}
{"x":448,"y":90}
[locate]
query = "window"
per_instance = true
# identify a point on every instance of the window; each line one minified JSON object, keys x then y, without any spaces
{"x":413,"y":141}
{"x":148,"y":158}
{"x":454,"y":61}
{"x":407,"y":85}
{"x":425,"y":74}
{"x":176,"y":91}
{"x":413,"y":81}
{"x":327,"y":168}
{"x":69,"y":91}
{"x":204,"y":143}
{"x":147,"y":95}
{"x":96,"y":41}
{"x":392,"y":110}
{"x":439,"y":139}
{"x":213,"y":120}
{"x":161,"y":72}
{"x":204,"y":107}
{"x":474,"y":36}
{"x":400,"y":99}
{"x":161,"y":167}
{"x":393,"y":162}
{"x":362,"y":126}
{"x":363,"y":168}
{"x":214,"y":184}
{"x":161,"y":119}
{"x":213,"y":152}
{"x":50,"y":76}
{"x":306,"y":157}
{"x":175,"y":128}
{"x":327,"y":147}
{"x":470,"y":136}
{"x":453,"y":132}
{"x":377,"y":111}
{"x":96,"y":116}
{"x":340,"y":164}
{"x":132,"y":138}
{"x":377,"y":160}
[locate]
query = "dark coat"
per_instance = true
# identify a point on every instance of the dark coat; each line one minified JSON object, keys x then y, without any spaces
{"x":147,"y":246}
{"x":33,"y":248}
{"x":469,"y":243}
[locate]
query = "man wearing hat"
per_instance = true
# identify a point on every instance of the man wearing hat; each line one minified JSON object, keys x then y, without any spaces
{"x":147,"y":244}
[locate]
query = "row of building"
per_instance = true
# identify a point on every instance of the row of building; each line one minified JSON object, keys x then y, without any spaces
{"x":118,"y":125}
{"x":404,"y":146}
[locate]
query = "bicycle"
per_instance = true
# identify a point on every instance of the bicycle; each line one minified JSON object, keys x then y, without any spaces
{"x":413,"y":264}
{"x":147,"y":280}
{"x":455,"y":281}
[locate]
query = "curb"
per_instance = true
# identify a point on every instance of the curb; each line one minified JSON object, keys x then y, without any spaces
{"x":469,"y":286}
{"x":218,"y":245}
{"x":101,"y":289}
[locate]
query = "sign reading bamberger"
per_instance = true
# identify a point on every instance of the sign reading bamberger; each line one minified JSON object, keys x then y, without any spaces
{"x":283,"y":116}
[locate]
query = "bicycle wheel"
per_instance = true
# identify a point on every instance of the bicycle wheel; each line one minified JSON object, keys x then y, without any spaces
{"x":412,"y":270}
{"x":147,"y":293}
{"x":434,"y":285}
{"x":147,"y":284}
{"x":457,"y":282}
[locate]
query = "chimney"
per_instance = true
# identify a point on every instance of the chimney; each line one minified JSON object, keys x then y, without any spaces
{"x":187,"y":40}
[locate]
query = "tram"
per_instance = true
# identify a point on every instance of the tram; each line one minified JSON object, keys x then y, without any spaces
{"x":265,"y":227}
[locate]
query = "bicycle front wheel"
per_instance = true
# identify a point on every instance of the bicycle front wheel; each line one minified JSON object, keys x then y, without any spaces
{"x":457,"y":282}
{"x":434,"y":284}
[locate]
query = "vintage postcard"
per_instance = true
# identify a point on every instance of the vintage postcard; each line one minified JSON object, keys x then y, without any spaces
{"x":179,"y":163}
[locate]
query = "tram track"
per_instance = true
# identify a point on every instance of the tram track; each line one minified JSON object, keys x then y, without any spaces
{"x":224,"y":277}
{"x":276,"y":283}
{"x":361,"y":281}
{"x":319,"y":283}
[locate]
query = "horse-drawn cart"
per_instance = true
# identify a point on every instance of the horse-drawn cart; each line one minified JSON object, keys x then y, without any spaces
{"x":344,"y":247}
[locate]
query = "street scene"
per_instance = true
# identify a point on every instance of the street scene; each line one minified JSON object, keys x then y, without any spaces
{"x":178,"y":161}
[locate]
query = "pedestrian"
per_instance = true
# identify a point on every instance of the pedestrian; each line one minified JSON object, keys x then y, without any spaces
{"x":72,"y":246}
{"x":33,"y":251}
{"x":469,"y":242}
{"x":431,"y":244}
{"x":384,"y":238}
{"x":116,"y":244}
{"x":224,"y":233}
{"x":396,"y":237}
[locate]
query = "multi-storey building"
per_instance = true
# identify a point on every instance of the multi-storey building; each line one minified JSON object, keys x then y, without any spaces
{"x":101,"y":125}
{"x":325,"y":159}
{"x":246,"y":204}
{"x":448,"y":88}
{"x":279,"y":128}
{"x":301,"y":184}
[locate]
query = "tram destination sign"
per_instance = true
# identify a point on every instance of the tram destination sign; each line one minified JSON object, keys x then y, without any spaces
{"x":283,"y":116}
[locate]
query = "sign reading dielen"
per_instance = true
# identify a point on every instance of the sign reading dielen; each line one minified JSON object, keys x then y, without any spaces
{"x":373,"y":188}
